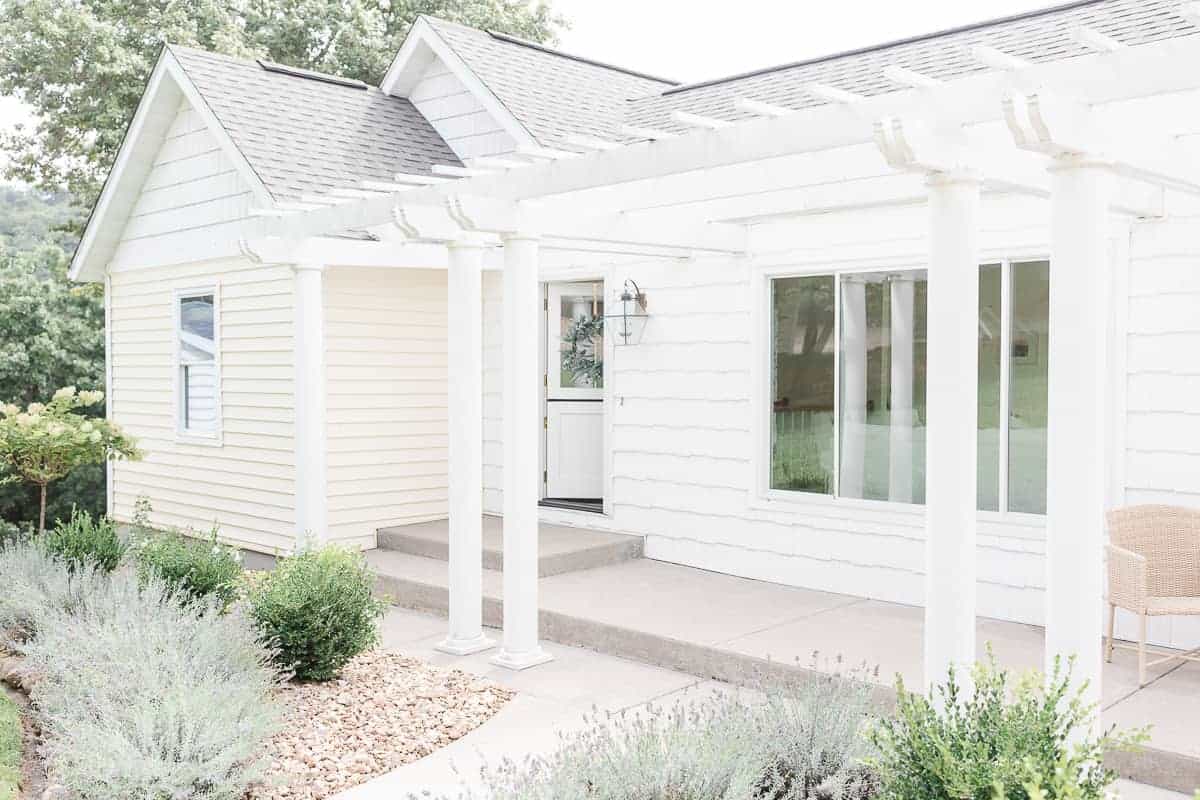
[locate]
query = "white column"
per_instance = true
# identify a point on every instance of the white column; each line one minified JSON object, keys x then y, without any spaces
{"x":951,"y":400}
{"x":465,"y":349}
{"x":1079,"y":302}
{"x":522,"y":316}
{"x":900,"y":431}
{"x":854,"y":387}
{"x":309,"y":388}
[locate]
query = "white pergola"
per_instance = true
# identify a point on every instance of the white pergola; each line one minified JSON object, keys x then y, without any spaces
{"x":700,"y":192}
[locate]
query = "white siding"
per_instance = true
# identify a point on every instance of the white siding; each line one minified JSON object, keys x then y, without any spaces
{"x":683,"y":450}
{"x":385,"y":342}
{"x":1162,"y":416}
{"x":456,"y":114}
{"x":193,"y":194}
{"x":245,"y":480}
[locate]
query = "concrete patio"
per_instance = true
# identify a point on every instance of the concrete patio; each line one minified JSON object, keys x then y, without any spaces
{"x":550,"y":700}
{"x":724,"y":628}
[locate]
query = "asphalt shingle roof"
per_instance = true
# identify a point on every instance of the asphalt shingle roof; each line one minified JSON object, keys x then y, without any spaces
{"x":307,"y":136}
{"x":1037,"y":36}
{"x":550,"y":93}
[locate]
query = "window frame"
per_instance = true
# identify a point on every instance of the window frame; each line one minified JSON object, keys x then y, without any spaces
{"x":762,"y":495}
{"x":214,"y":437}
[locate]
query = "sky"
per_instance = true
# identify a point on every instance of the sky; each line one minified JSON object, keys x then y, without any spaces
{"x":692,"y":40}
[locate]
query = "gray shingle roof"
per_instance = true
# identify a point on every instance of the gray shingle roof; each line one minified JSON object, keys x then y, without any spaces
{"x":550,"y":93}
{"x":306,"y":136}
{"x":1038,"y":36}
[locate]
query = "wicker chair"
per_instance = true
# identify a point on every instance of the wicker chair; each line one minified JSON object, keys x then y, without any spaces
{"x":1153,"y":571}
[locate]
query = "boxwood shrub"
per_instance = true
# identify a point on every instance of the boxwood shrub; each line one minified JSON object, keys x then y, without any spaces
{"x":317,"y":610}
{"x":83,"y":539}
{"x":195,"y":567}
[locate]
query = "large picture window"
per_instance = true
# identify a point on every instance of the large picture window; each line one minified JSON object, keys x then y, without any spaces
{"x":848,"y":356}
{"x":196,"y":356}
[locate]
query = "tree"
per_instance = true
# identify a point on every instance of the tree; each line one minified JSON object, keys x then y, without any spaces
{"x":45,"y":441}
{"x":51,"y":335}
{"x":82,"y":64}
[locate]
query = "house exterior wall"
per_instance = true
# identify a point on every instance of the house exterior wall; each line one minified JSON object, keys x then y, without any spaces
{"x":684,"y":448}
{"x":385,"y":342}
{"x":458,"y":115}
{"x":244,"y":479}
{"x":1161,"y":414}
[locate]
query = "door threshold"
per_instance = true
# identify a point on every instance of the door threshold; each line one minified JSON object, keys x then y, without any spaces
{"x":573,"y":504}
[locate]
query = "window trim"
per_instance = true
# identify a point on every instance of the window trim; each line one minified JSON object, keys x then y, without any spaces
{"x":761,"y":495}
{"x":215,"y":437}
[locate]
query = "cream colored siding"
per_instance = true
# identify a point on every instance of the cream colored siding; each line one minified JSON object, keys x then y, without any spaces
{"x":193,"y":194}
{"x":244,"y":480}
{"x":385,"y":342}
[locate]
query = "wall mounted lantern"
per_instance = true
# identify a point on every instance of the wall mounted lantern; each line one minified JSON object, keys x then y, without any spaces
{"x":627,"y":323}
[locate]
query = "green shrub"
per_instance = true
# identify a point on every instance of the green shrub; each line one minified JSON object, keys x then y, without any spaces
{"x":196,"y":567}
{"x":802,"y":740}
{"x":1011,"y":739}
{"x":84,"y":539}
{"x":142,"y":696}
{"x":317,"y":609}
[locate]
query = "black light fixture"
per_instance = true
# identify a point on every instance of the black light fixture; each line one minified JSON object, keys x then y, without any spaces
{"x":627,"y":324}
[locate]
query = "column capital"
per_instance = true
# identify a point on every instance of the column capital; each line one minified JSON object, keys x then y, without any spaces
{"x":521,"y":236}
{"x":468,"y":241}
{"x":956,"y":177}
{"x":308,"y":267}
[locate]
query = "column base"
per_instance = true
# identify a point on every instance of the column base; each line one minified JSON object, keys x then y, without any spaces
{"x":520,"y":661}
{"x":465,"y":647}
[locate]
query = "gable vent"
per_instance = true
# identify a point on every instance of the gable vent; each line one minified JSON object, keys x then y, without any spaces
{"x":308,"y":74}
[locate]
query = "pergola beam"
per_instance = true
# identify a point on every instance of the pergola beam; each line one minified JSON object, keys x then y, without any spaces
{"x":1095,"y":40}
{"x":761,"y":109}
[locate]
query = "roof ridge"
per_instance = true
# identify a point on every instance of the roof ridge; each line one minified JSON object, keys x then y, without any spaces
{"x":288,"y":70}
{"x":521,"y":42}
{"x":989,"y":23}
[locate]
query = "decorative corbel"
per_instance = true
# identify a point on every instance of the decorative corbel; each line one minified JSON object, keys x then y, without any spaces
{"x":915,"y":148}
{"x":1050,"y":125}
{"x":425,"y":223}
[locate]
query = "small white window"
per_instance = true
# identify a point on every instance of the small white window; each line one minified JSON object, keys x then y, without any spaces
{"x":196,"y":354}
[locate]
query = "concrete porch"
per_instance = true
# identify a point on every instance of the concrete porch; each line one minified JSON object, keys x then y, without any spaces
{"x":597,"y":592}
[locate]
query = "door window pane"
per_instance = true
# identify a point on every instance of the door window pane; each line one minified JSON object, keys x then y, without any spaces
{"x":1029,"y":373}
{"x":802,"y":383}
{"x":882,"y":426}
{"x":581,"y":326}
{"x":991,"y":350}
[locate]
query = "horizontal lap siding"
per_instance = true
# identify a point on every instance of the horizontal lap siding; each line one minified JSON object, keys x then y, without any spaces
{"x":458,"y":116}
{"x":192,"y":195}
{"x":385,"y":340}
{"x":246,"y":484}
{"x":1162,"y":433}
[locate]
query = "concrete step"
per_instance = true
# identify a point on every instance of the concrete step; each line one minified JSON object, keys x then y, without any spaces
{"x":560,"y":548}
{"x":703,"y":623}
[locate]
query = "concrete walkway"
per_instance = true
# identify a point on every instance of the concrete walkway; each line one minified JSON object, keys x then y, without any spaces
{"x":551,"y":699}
{"x":719,"y":626}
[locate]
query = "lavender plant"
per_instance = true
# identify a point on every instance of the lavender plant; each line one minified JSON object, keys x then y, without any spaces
{"x":38,"y":585}
{"x":142,"y":696}
{"x":794,"y":740}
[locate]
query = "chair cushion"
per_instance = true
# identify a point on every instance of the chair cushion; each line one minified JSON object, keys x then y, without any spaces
{"x":1163,"y":606}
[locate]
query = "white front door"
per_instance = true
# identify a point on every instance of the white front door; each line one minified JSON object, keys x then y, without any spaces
{"x":575,"y":391}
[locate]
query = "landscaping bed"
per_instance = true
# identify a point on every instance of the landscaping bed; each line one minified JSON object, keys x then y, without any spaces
{"x":155,"y":667}
{"x":384,"y":711}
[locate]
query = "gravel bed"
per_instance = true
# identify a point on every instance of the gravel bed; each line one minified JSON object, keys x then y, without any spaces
{"x":384,"y":711}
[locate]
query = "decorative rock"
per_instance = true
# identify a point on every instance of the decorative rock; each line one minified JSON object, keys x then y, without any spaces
{"x":384,"y":711}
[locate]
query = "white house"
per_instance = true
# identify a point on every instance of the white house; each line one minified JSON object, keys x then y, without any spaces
{"x":914,"y":315}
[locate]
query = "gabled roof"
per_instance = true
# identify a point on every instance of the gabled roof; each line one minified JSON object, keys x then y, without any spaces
{"x":1037,"y":36}
{"x":552,"y":94}
{"x":304,"y":133}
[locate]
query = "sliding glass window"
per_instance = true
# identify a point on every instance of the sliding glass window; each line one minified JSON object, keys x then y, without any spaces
{"x":848,"y":410}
